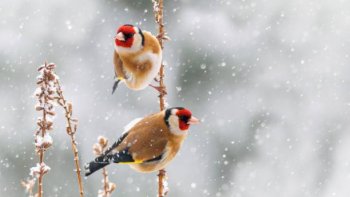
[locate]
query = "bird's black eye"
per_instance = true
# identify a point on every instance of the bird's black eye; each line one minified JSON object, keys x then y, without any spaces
{"x":128,"y":35}
{"x":184,"y":118}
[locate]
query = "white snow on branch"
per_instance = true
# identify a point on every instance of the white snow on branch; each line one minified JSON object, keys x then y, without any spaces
{"x":155,"y":6}
{"x":165,"y":186}
{"x":45,"y":141}
{"x":38,"y":91}
{"x":39,"y":169}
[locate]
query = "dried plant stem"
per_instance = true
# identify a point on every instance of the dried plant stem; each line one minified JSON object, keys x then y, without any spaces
{"x":40,"y":180}
{"x":105,"y":180}
{"x":161,"y":34}
{"x":161,"y":177}
{"x":71,"y":129}
{"x":43,"y":131}
{"x":41,"y":156}
{"x":43,"y":140}
{"x":77,"y":166}
{"x":28,"y":185}
{"x":158,"y":12}
{"x":49,"y":93}
{"x":98,"y":149}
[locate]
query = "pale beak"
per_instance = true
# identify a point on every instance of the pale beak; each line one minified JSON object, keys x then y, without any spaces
{"x":120,"y":36}
{"x":193,"y":120}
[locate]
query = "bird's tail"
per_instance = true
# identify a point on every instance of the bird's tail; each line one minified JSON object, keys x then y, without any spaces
{"x":115,"y":85}
{"x":97,"y":164}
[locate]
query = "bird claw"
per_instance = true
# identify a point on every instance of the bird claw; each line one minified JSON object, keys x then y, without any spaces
{"x":156,"y":79}
{"x":160,"y":89}
{"x":167,"y":38}
{"x":163,"y":36}
{"x":160,"y":35}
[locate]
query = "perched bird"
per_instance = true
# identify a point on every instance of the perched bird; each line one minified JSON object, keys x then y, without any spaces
{"x":148,"y":144}
{"x":137,"y":57}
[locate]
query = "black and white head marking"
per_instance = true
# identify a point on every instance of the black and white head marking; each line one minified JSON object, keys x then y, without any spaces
{"x":172,"y":121}
{"x":142,"y":37}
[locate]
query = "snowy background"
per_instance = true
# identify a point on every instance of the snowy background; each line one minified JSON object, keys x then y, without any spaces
{"x":270,"y":80}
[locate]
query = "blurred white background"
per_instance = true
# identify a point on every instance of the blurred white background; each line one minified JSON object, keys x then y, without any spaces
{"x":270,"y":80}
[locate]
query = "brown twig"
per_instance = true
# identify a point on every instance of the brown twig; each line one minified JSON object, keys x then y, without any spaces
{"x":162,"y":183}
{"x":158,"y":14}
{"x":29,"y":185}
{"x":98,"y":149}
{"x":71,"y":130}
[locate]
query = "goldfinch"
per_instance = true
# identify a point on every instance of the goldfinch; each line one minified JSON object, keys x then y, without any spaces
{"x":137,"y":57}
{"x":148,"y":144}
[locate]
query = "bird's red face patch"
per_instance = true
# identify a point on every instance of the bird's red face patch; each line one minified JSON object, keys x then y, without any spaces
{"x":128,"y":32}
{"x":184,"y":116}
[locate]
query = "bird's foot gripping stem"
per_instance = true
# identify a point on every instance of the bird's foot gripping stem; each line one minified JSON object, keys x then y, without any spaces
{"x":160,"y":89}
{"x":156,"y":79}
{"x":163,"y":36}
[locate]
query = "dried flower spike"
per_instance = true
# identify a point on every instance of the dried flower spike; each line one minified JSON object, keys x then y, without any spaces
{"x":48,"y":94}
{"x":99,"y":148}
{"x":45,"y":92}
{"x":102,"y":141}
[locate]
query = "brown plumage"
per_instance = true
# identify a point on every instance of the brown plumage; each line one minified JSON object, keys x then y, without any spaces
{"x":151,"y":143}
{"x":137,"y":57}
{"x":146,"y":142}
